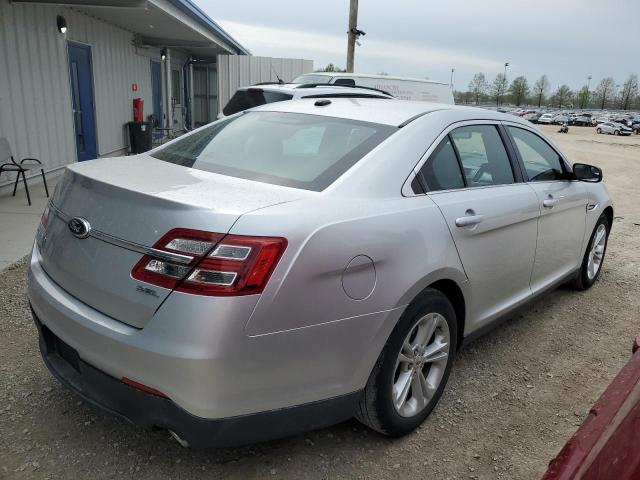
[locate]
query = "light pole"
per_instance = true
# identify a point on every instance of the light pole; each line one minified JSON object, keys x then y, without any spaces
{"x":586,"y":103}
{"x":506,"y":64}
{"x":352,"y":35}
{"x":451,"y":82}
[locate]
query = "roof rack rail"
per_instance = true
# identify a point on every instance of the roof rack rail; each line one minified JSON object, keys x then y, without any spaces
{"x":314,"y":85}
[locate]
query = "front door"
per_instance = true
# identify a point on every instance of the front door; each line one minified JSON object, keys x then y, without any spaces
{"x":82,"y":101}
{"x":156,"y":95}
{"x":563,"y":208}
{"x":492,"y":217}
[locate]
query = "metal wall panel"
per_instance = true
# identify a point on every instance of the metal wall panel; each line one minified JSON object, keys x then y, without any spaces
{"x":35,"y":101}
{"x":235,"y":71}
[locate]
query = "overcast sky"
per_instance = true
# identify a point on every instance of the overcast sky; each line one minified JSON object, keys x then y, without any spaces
{"x":568,"y":40}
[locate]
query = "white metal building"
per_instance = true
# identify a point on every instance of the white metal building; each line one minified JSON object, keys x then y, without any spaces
{"x":70,"y":70}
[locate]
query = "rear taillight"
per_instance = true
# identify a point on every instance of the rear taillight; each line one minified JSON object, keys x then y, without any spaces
{"x":211,"y":263}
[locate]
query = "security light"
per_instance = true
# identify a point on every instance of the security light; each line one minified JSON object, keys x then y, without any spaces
{"x":62,"y":24}
{"x":163,"y":54}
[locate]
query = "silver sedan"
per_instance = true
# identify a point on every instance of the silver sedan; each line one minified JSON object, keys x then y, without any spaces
{"x":295,"y":265}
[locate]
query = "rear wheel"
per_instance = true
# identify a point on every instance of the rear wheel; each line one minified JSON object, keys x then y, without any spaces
{"x":413,"y":368}
{"x":594,"y":256}
{"x":616,"y":132}
{"x":598,"y":130}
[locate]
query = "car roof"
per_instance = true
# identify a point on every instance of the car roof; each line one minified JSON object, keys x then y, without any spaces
{"x":386,"y":112}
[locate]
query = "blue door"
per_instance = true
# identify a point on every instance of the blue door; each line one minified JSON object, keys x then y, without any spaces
{"x":82,"y":101}
{"x":156,"y":93}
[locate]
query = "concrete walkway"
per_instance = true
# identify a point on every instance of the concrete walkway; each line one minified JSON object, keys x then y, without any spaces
{"x":19,"y":221}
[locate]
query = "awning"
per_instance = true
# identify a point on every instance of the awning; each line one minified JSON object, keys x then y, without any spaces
{"x":162,"y":23}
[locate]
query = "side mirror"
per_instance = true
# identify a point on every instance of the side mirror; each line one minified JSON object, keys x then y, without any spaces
{"x":587,"y":173}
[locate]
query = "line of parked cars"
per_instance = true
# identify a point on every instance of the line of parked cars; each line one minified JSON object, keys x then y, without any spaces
{"x":613,"y":123}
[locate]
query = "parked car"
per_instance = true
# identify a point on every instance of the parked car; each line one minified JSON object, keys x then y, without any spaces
{"x":400,"y":87}
{"x":532,"y":117}
{"x":606,"y":444}
{"x":546,"y":118}
{"x":294,"y":265}
{"x":582,"y":120}
{"x":560,"y":118}
{"x":613,"y":128}
{"x":261,"y":94}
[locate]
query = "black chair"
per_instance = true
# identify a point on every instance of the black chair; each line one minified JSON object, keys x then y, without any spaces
{"x":11,"y":165}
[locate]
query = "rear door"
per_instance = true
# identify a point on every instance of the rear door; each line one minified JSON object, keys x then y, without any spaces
{"x":563,"y":204}
{"x":491,"y":214}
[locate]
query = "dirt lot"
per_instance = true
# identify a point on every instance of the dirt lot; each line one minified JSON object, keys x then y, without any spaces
{"x":513,"y":399}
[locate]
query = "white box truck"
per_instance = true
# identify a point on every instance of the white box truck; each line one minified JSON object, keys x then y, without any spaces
{"x":399,"y":87}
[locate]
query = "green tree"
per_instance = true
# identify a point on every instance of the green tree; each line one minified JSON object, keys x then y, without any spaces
{"x":540,"y":89}
{"x":562,"y":96}
{"x":331,"y":68}
{"x":629,"y":92}
{"x":499,"y":88}
{"x":605,"y":91}
{"x":582,"y":97}
{"x":519,"y":90}
{"x":478,"y":86}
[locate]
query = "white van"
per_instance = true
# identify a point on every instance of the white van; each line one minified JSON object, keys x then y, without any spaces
{"x":399,"y":87}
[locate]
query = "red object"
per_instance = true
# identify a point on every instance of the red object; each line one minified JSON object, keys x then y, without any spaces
{"x":138,"y":110}
{"x":607,"y":444}
{"x":250,"y":273}
{"x":143,"y":387}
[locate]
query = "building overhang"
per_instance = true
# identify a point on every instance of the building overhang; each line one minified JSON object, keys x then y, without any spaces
{"x":162,"y":23}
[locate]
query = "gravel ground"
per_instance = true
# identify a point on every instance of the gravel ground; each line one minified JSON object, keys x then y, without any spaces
{"x":513,"y":399}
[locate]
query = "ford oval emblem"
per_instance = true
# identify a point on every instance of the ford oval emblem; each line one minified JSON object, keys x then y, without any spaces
{"x":80,"y":227}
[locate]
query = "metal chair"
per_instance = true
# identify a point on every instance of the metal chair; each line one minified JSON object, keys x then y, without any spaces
{"x":11,"y":165}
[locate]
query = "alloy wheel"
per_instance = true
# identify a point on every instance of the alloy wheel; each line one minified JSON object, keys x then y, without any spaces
{"x":596,"y":253}
{"x":421,"y":364}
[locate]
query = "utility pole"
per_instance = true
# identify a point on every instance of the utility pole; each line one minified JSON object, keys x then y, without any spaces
{"x":451,"y":82}
{"x":352,"y":34}
{"x":588,"y":92}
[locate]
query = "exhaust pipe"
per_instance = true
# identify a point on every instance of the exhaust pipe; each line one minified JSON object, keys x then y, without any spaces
{"x":179,"y":439}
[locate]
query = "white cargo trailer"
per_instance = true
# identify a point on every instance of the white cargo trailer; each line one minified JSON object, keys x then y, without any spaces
{"x":399,"y":87}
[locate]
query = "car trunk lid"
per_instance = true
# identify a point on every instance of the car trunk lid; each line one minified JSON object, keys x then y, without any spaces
{"x":129,"y":204}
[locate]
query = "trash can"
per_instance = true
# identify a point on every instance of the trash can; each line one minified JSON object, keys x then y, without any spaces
{"x":140,"y":136}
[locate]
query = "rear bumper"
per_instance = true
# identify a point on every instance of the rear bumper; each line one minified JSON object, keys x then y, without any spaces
{"x":148,"y":410}
{"x":196,"y":351}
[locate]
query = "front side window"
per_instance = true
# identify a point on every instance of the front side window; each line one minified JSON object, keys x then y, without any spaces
{"x":482,"y":155}
{"x":541,"y":162}
{"x":442,"y":171}
{"x":281,"y":148}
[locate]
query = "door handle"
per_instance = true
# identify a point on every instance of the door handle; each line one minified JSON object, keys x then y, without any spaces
{"x":469,"y":220}
{"x":550,"y":202}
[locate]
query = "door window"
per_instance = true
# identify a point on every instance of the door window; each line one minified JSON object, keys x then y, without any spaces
{"x":541,"y":162}
{"x":482,"y":155}
{"x":442,"y":171}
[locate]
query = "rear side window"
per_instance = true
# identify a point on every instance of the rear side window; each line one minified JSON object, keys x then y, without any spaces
{"x":441,"y":171}
{"x":482,"y":155}
{"x":290,"y":149}
{"x":252,"y":97}
{"x":541,"y":162}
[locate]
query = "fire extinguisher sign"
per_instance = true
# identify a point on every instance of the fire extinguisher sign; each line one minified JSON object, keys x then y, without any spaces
{"x":134,"y":87}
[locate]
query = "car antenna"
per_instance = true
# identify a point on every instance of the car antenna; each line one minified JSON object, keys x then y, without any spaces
{"x":276,"y":73}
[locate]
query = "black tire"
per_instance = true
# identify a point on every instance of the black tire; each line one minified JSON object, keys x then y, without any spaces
{"x":616,"y":132}
{"x":582,"y":281}
{"x":376,"y":409}
{"x":598,"y":130}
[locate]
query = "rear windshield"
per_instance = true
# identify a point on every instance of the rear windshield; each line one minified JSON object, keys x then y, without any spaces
{"x":310,"y":78}
{"x":291,"y":149}
{"x":252,"y":97}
